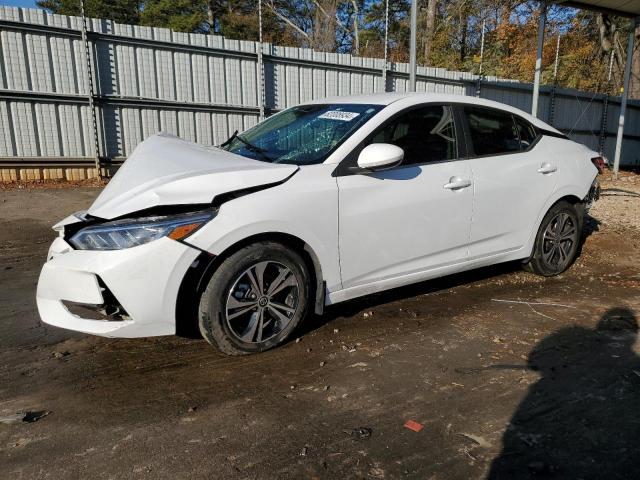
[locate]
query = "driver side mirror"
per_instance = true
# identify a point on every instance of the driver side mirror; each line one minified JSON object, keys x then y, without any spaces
{"x":379,"y":156}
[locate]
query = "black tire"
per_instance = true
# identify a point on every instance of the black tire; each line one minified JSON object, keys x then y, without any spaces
{"x":554,"y":254}
{"x":231,"y":286}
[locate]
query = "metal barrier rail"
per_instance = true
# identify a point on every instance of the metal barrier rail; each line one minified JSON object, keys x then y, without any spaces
{"x":204,"y":87}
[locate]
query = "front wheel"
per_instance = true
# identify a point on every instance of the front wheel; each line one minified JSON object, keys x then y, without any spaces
{"x":557,"y":242}
{"x":255,"y":299}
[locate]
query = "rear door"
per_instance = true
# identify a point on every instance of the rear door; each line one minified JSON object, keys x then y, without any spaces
{"x":512,"y":180}
{"x":411,"y":218}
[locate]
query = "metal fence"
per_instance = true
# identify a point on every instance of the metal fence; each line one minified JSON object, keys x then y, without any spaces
{"x":203,"y":87}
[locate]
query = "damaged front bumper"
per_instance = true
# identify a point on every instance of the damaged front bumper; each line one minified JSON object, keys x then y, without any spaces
{"x":118,"y":293}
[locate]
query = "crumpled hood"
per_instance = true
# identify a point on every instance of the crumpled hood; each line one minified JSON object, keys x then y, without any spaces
{"x":166,"y":170}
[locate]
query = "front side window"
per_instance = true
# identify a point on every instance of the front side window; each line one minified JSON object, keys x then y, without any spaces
{"x":426,"y":134}
{"x":493,"y":132}
{"x":303,"y":135}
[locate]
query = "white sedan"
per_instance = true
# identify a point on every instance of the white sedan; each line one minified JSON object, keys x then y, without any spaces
{"x":318,"y":204}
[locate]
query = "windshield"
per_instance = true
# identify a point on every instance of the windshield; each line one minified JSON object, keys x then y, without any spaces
{"x":303,"y":135}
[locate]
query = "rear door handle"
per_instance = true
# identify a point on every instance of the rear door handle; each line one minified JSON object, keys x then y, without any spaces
{"x":547,"y":168}
{"x":457,"y":183}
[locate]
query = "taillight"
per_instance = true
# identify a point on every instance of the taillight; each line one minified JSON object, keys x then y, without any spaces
{"x":599,"y":163}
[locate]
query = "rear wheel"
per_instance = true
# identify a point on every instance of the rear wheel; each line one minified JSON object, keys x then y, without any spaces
{"x":558,"y":240}
{"x":255,"y":299}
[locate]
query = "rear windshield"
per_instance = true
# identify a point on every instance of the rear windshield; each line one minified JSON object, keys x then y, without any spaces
{"x":303,"y":135}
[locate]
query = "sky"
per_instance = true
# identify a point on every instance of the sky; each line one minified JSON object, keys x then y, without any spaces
{"x":19,"y":3}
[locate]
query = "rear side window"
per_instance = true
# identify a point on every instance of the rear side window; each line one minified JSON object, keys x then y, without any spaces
{"x":493,"y":132}
{"x":527,"y":133}
{"x":426,"y":134}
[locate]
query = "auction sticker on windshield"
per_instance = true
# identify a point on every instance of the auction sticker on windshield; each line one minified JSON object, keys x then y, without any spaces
{"x":338,"y":115}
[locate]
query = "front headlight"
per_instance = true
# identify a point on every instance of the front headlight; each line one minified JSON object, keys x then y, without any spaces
{"x":131,"y":232}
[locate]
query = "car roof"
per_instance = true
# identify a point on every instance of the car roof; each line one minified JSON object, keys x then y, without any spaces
{"x":409,"y":98}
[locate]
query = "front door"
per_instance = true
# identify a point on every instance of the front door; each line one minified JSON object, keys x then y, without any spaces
{"x":411,"y":218}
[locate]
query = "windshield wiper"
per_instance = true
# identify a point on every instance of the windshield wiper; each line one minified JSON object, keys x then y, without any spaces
{"x":249,"y":145}
{"x":229,"y":140}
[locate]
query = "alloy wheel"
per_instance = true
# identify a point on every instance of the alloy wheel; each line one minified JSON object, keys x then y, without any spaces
{"x":558,"y":241}
{"x":262,"y":302}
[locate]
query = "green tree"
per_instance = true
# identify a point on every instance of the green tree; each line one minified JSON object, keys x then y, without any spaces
{"x":121,"y":11}
{"x":179,"y":15}
{"x":372,"y":35}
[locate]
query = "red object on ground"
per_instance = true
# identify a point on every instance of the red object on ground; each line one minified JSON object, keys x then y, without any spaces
{"x":415,"y":426}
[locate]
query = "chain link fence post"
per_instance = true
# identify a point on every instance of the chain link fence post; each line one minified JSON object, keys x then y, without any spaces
{"x":479,"y":80}
{"x":552,"y":100}
{"x":605,"y":109}
{"x":386,"y":46}
{"x":90,"y":92}
{"x":261,"y":83}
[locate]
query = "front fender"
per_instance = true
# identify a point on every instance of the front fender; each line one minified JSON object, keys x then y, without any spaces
{"x":304,"y":208}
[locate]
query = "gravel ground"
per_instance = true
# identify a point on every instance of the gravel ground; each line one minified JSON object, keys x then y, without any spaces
{"x":618,"y":204}
{"x":495,"y":374}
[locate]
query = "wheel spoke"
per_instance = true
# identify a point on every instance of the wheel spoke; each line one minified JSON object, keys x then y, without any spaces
{"x":548,"y":255}
{"x":250,"y":332}
{"x":283,"y":280}
{"x":259,"y":269}
{"x":235,"y":303}
{"x":568,"y":235}
{"x":254,"y":284}
{"x":568,"y":230}
{"x":260,"y":325}
{"x":566,"y":248}
{"x":552,"y":256}
{"x":562,"y":220}
{"x":282,"y":275}
{"x":280,"y":316}
{"x":562,"y":255}
{"x":280,"y":306}
{"x":231,"y":316}
{"x":549,"y":233}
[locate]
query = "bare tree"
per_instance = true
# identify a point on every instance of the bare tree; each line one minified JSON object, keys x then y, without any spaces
{"x":325,"y":25}
{"x":464,"y":30}
{"x":430,"y":27}
{"x":356,"y":29}
{"x":634,"y":90}
{"x":610,"y":43}
{"x":213,"y":12}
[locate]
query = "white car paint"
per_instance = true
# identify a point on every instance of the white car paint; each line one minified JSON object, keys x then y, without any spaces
{"x":500,"y":226}
{"x":145,"y":279}
{"x":366,"y":232}
{"x":380,"y":155}
{"x":166,"y":170}
{"x":376,"y":240}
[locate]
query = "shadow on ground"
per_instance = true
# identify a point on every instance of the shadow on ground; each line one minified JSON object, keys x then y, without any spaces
{"x":355,"y":306}
{"x":580,"y":420}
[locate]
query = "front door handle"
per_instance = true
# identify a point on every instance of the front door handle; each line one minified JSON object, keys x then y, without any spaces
{"x":457,"y":183}
{"x":547,"y":168}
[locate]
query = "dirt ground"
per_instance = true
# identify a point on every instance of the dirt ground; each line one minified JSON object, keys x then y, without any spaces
{"x":511,"y":375}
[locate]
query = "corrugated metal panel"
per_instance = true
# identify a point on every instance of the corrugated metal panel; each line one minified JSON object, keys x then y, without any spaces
{"x":204,"y":87}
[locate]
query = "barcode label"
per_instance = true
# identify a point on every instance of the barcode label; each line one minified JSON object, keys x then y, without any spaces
{"x":338,"y":115}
